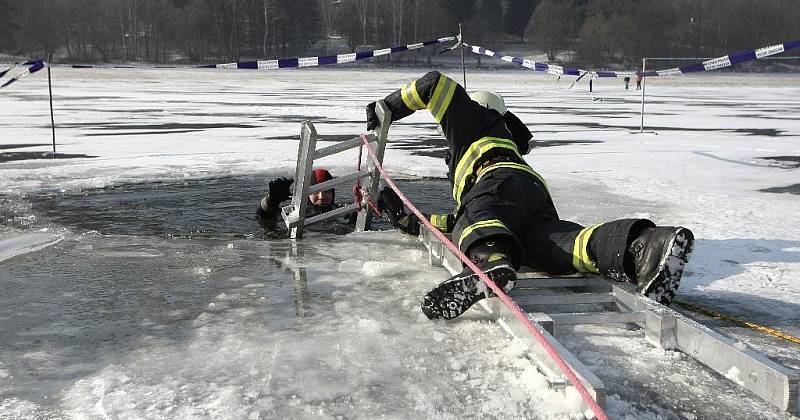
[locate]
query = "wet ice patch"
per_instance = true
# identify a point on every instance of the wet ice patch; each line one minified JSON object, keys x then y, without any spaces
{"x":382,"y":268}
{"x":17,"y":408}
{"x":369,"y":325}
{"x":617,"y":408}
{"x":144,"y":253}
{"x":350,"y":266}
{"x":201,"y":271}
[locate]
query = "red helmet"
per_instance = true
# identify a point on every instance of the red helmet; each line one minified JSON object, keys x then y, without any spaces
{"x":321,"y":175}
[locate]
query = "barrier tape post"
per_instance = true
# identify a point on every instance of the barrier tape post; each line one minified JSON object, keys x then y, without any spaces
{"x":644,"y":65}
{"x":568,"y":372}
{"x":50,"y":90}
{"x":461,"y":44}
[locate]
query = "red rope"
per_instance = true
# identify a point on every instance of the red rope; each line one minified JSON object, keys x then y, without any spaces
{"x":358,"y":193}
{"x":568,"y":372}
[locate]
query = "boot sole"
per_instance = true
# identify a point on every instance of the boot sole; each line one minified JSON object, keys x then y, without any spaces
{"x":663,"y":286}
{"x":453,"y":297}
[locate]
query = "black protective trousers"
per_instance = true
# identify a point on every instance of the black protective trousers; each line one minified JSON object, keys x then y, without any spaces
{"x":514,"y":207}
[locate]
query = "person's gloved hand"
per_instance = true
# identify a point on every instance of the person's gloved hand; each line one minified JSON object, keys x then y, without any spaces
{"x":390,"y":202}
{"x":372,"y":118}
{"x":279,"y":191}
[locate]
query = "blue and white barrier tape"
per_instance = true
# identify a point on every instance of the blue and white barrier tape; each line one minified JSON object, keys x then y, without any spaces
{"x":326,"y":59}
{"x":30,"y":68}
{"x":708,"y":65}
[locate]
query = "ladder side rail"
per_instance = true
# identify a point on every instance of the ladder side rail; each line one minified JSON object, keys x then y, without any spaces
{"x":302,"y":180}
{"x":364,"y":218}
{"x":342,"y":146}
{"x":774,"y":383}
{"x":544,"y":362}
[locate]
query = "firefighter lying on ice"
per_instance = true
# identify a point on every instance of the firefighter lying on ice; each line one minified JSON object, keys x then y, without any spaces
{"x":504,"y":215}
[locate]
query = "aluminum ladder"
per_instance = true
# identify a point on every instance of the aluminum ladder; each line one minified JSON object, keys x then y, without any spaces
{"x":571,"y":300}
{"x":294,"y":214}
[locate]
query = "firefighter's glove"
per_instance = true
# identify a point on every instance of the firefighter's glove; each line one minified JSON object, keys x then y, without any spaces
{"x":372,"y":118}
{"x":391,"y":204}
{"x":408,"y":224}
{"x":278,"y":191}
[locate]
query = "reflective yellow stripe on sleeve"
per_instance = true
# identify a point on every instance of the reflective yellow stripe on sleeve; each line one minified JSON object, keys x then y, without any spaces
{"x":441,"y":97}
{"x":411,"y":97}
{"x":480,"y":225}
{"x":580,"y":252}
{"x":439,"y":221}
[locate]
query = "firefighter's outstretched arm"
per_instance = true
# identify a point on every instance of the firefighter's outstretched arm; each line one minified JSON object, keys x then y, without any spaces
{"x":461,"y":118}
{"x":389,"y":202}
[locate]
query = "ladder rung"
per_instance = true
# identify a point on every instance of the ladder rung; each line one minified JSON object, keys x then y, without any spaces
{"x":552,"y":282}
{"x":342,"y":146}
{"x":597,"y":317}
{"x":561,"y":299}
{"x":333,"y":213}
{"x":322,"y":186}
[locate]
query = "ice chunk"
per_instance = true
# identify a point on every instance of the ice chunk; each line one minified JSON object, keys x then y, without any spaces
{"x":677,"y":378}
{"x":26,"y":243}
{"x":369,"y":325}
{"x":381,"y":268}
{"x":350,"y":266}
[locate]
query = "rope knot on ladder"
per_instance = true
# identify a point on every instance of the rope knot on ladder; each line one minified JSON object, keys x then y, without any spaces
{"x":360,"y":196}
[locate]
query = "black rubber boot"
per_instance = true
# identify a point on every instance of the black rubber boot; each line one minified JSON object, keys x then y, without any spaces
{"x":658,"y":255}
{"x":455,"y":295}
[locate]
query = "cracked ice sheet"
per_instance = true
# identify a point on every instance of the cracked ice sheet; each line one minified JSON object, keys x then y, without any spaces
{"x":311,"y":341}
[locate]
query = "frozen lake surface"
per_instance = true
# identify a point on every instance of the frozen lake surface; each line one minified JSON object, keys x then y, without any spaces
{"x":165,"y":299}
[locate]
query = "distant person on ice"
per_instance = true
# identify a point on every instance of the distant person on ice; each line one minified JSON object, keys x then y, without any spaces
{"x":504,"y":214}
{"x":638,"y":81}
{"x":627,"y":81}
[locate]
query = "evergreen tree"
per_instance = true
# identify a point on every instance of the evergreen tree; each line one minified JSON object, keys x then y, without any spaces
{"x":517,"y":15}
{"x":461,"y":11}
{"x":8,"y":27}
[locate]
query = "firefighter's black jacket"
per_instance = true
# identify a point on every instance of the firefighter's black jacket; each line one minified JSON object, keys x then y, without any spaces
{"x":477,"y":137}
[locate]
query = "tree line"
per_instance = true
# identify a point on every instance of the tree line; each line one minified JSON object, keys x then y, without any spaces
{"x":573,"y":32}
